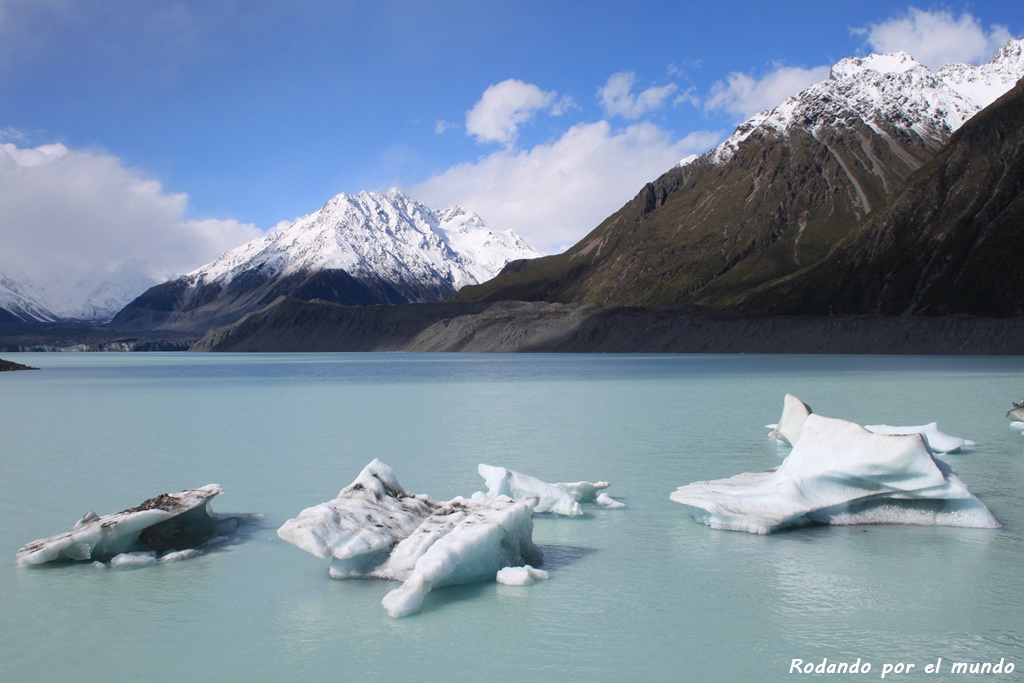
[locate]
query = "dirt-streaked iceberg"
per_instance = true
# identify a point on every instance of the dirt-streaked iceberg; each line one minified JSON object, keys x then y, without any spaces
{"x":374,"y":528}
{"x":840,"y":473}
{"x":169,"y":527}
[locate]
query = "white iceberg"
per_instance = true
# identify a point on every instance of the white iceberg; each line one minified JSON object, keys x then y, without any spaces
{"x":559,"y":499}
{"x":520,"y":576}
{"x":937,"y":440}
{"x":465,"y":541}
{"x":362,"y":525}
{"x":840,"y":473}
{"x":791,"y":424}
{"x":551,"y":498}
{"x":590,"y":492}
{"x":164,"y":526}
{"x":375,"y":528}
{"x":795,"y":413}
{"x":1016,"y":413}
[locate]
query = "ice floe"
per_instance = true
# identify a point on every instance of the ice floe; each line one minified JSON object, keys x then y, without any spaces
{"x":840,"y":473}
{"x":789,"y":426}
{"x":375,"y":528}
{"x":938,"y":441}
{"x":521,"y":576}
{"x":559,"y":498}
{"x":169,"y":527}
{"x":795,"y":413}
{"x":550,"y":498}
{"x":1016,"y":413}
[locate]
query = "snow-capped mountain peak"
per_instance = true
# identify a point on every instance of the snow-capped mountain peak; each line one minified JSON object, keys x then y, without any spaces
{"x":372,"y":234}
{"x":892,"y":91}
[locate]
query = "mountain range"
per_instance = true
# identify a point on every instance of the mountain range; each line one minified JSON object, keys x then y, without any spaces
{"x":774,"y":198}
{"x":363,"y":249}
{"x":887,"y":189}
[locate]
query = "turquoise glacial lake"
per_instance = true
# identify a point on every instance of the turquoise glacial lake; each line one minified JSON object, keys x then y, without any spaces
{"x":644,"y":593}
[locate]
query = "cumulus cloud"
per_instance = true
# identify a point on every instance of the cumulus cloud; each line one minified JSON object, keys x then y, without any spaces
{"x":505,"y":106}
{"x":555,"y":193}
{"x":936,"y":38}
{"x":618,"y":99}
{"x":743,"y":95}
{"x":65,"y":213}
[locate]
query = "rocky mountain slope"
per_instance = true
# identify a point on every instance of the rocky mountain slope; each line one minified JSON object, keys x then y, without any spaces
{"x":949,"y":242}
{"x":360,"y":249}
{"x":773,"y":198}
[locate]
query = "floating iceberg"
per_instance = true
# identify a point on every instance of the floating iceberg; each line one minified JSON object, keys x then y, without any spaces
{"x":590,"y":492}
{"x":520,"y":576}
{"x":168,"y":527}
{"x":375,"y":528}
{"x":937,"y":440}
{"x":795,"y":413}
{"x":560,"y":499}
{"x":1016,"y":413}
{"x":840,"y":473}
{"x":551,"y":498}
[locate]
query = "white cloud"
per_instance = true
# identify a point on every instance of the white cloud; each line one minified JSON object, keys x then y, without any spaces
{"x":618,"y":99}
{"x":504,"y":107}
{"x":65,"y":213}
{"x":555,"y":193}
{"x":743,"y":95}
{"x":936,"y":38}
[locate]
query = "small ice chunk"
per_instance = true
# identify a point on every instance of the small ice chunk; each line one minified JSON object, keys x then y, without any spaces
{"x":938,"y":441}
{"x":179,"y":555}
{"x":552,"y":498}
{"x":791,"y":424}
{"x":609,"y":502}
{"x":520,"y":576}
{"x":840,"y":473}
{"x":133,"y":560}
{"x":1019,"y":426}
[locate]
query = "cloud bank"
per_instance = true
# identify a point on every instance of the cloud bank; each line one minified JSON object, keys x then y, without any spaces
{"x":65,"y":213}
{"x":617,"y":96}
{"x":936,"y":38}
{"x":505,"y":106}
{"x":554,"y":193}
{"x":743,"y":95}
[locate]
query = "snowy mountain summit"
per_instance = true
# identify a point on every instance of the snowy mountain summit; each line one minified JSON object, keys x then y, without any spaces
{"x":388,"y":236}
{"x":894,"y":94}
{"x":363,"y":249}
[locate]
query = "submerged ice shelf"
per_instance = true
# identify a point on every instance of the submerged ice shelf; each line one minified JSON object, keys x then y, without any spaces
{"x":169,"y":527}
{"x":838,"y":473}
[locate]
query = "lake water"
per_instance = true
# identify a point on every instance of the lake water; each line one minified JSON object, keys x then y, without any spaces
{"x":644,"y":593}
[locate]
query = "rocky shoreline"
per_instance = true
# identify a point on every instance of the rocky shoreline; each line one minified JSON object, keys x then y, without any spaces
{"x":8,"y":366}
{"x":293,"y":325}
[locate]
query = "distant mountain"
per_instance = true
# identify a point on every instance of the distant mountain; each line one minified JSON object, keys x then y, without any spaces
{"x":949,"y":242}
{"x":21,"y":302}
{"x":363,"y":249}
{"x":93,"y":297}
{"x":776,"y":196}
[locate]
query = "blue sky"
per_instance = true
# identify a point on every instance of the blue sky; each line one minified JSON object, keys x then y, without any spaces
{"x":167,"y":132}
